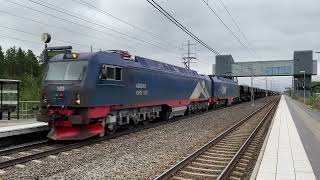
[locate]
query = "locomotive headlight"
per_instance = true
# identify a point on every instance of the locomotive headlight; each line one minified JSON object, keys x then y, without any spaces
{"x":77,"y":100}
{"x":70,"y":55}
{"x":74,"y":55}
{"x":44,"y":98}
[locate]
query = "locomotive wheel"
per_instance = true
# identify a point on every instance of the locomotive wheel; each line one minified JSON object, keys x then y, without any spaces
{"x":165,"y":115}
{"x":146,"y":122}
{"x":111,"y":132}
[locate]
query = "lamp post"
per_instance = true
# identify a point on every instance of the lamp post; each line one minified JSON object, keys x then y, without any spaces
{"x":304,"y":85}
{"x":251,"y":91}
{"x":296,"y":87}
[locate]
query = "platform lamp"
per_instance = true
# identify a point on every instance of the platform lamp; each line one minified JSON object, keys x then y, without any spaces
{"x":296,"y":87}
{"x":304,"y":85}
{"x":46,"y":38}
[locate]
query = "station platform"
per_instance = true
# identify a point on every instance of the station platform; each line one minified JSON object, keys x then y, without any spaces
{"x":292,"y":148}
{"x":21,"y":126}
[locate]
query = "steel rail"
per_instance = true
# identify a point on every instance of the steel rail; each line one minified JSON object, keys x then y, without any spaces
{"x":228,"y":169}
{"x":170,"y":172}
{"x":68,"y":147}
{"x":39,"y":155}
{"x":24,"y":147}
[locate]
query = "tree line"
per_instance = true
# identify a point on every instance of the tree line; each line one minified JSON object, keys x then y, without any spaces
{"x":24,"y":65}
{"x":16,"y":63}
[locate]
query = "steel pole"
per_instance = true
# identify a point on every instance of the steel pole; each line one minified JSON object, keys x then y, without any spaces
{"x":304,"y":87}
{"x":252,"y":95}
{"x":266,"y":88}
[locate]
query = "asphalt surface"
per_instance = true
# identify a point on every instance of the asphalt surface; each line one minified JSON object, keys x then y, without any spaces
{"x":307,"y":121}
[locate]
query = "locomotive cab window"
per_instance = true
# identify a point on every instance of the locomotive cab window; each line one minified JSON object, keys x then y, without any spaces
{"x":111,"y":73}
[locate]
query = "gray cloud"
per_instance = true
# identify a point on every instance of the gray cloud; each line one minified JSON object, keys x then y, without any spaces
{"x":274,"y":28}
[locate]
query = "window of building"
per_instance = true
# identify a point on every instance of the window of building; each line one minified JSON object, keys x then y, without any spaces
{"x":109,"y":72}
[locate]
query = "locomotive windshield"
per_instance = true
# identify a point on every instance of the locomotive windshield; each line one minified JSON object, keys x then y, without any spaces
{"x":66,"y":70}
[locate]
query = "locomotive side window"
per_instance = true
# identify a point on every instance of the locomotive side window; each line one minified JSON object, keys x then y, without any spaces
{"x":118,"y":73}
{"x":111,"y":73}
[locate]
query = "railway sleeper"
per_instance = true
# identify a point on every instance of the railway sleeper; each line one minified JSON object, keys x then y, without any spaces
{"x":251,"y":150}
{"x":192,"y":175}
{"x":223,"y":148}
{"x":257,"y":139}
{"x":242,"y":169}
{"x":241,"y":164}
{"x":237,"y":173}
{"x":221,"y":151}
{"x":218,"y":154}
{"x":202,"y":170}
{"x":216,"y":166}
{"x":180,"y":178}
{"x":216,"y":158}
{"x":235,"y":141}
{"x":247,"y":157}
{"x":201,"y":160}
{"x":228,"y":144}
{"x":245,"y":161}
{"x":235,"y":147}
{"x":235,"y":137}
{"x":234,"y":178}
{"x":239,"y":168}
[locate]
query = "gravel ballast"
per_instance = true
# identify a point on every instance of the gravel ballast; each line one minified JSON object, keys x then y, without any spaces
{"x":141,"y":155}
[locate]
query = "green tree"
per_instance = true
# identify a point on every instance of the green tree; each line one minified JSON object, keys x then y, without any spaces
{"x":2,"y":64}
{"x":10,"y":64}
{"x":32,"y":64}
{"x":315,"y":86}
{"x":20,"y":65}
{"x":17,"y":63}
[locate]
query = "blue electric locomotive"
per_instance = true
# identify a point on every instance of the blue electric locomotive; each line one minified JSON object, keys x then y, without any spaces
{"x":88,"y":94}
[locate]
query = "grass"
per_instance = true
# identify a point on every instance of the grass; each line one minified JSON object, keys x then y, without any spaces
{"x":314,"y":102}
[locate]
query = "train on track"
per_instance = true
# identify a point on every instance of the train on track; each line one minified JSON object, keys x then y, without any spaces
{"x":91,"y":94}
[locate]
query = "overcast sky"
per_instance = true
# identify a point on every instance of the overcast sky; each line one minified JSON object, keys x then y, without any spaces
{"x":274,"y":28}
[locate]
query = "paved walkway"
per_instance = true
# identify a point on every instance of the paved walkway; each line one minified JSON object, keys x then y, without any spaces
{"x":21,"y":126}
{"x":284,"y":156}
{"x":307,"y":121}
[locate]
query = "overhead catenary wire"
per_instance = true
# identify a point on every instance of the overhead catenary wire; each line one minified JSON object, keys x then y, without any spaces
{"x":59,"y":18}
{"x":54,"y":24}
{"x":36,"y":35}
{"x":63,"y":11}
{"x":226,"y":26}
{"x":95,"y":22}
{"x":63,"y":28}
{"x":237,"y":25}
{"x":177,"y":23}
{"x":84,"y":26}
{"x":91,"y":6}
{"x":19,"y":39}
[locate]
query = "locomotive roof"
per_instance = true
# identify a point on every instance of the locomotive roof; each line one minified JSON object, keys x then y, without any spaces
{"x":115,"y":58}
{"x":216,"y":78}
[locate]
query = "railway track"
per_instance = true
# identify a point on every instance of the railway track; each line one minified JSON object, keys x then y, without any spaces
{"x":28,"y":152}
{"x":228,"y":156}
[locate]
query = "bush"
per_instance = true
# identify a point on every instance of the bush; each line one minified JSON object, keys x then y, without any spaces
{"x":314,"y":101}
{"x":30,"y":89}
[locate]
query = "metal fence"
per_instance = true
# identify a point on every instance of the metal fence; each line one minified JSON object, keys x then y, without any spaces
{"x":28,"y":109}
